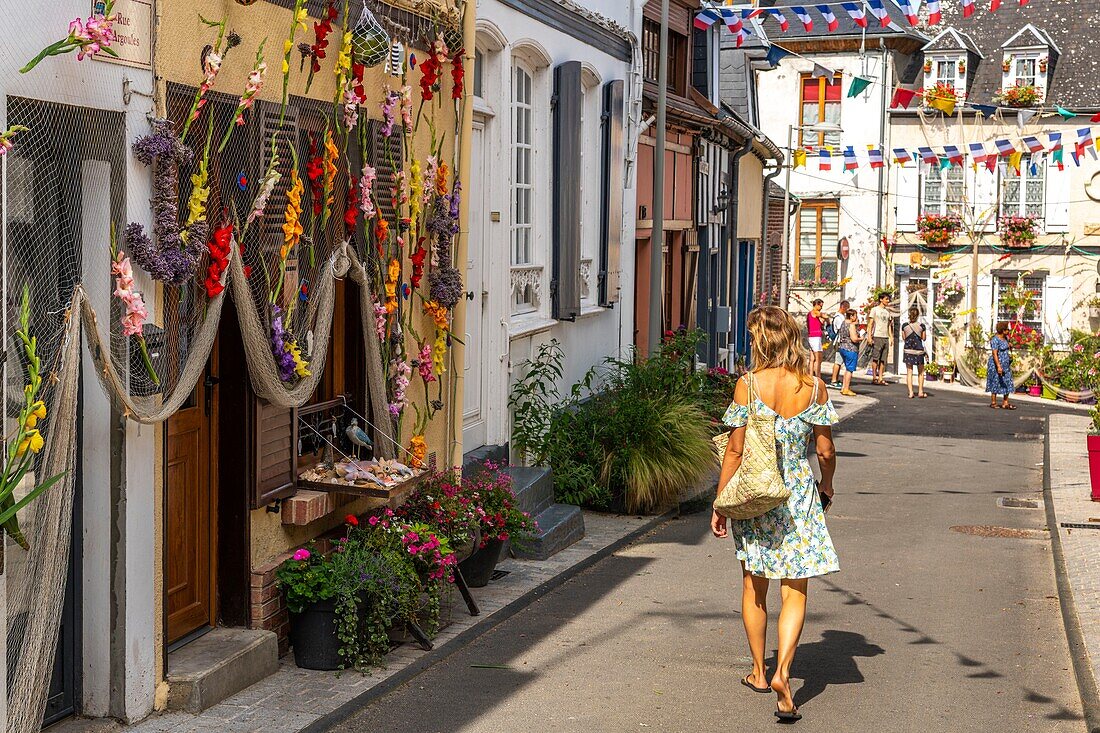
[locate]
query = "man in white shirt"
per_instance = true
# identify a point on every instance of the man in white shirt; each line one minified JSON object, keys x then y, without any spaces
{"x":880,"y":331}
{"x":839,"y":321}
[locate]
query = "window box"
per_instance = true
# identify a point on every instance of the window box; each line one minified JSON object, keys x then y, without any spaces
{"x":938,"y":231}
{"x":1019,"y":95}
{"x":1019,"y":232}
{"x":941,"y":91}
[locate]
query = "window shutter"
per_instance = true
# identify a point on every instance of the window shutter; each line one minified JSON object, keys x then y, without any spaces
{"x":271,"y":224}
{"x":985,"y":302}
{"x":566,"y":231}
{"x":1057,"y":198}
{"x":906,"y":199}
{"x":385,"y":155}
{"x":274,"y":452}
{"x":611,"y":196}
{"x":982,"y":185}
{"x":1058,"y":309}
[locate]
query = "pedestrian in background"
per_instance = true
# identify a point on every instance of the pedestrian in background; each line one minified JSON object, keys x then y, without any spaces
{"x":880,"y":332}
{"x":839,"y":323}
{"x":998,"y":374}
{"x":791,"y":542}
{"x":815,"y":331}
{"x":913,"y":334}
{"x":847,"y":348}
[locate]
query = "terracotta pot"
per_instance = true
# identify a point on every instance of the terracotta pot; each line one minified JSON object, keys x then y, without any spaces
{"x":1093,"y":444}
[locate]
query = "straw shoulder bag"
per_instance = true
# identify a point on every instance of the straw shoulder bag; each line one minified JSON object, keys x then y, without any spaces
{"x":757,"y":486}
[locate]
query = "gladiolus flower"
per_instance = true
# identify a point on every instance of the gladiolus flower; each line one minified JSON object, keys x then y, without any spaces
{"x":36,"y":413}
{"x":31,"y":441}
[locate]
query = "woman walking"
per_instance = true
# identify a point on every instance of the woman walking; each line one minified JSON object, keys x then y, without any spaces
{"x":913,"y":334}
{"x":789,"y":543}
{"x":815,"y":333}
{"x":998,"y":373}
{"x":847,"y":346}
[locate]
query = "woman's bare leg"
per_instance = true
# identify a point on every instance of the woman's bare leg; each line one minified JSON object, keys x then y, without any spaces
{"x":909,"y":379}
{"x":792,"y":616}
{"x":920,"y":379}
{"x":754,"y":614}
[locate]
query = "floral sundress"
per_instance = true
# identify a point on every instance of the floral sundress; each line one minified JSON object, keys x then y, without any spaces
{"x":790,"y":541}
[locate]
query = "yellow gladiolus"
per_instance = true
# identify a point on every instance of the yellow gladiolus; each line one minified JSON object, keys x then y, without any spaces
{"x":416,"y":193}
{"x":32,"y":440}
{"x":292,"y":226}
{"x":200,"y":193}
{"x":36,"y":413}
{"x":301,"y":366}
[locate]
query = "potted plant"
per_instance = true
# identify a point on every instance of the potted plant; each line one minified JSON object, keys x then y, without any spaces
{"x":1093,"y":304}
{"x":1006,"y":64}
{"x":938,"y":230}
{"x":1043,"y":62}
{"x":309,"y":584}
{"x":940,"y":91}
{"x":438,"y":502}
{"x":1019,"y":232}
{"x":488,"y":491}
{"x":1092,"y":444}
{"x":1019,"y":95}
{"x":947,"y":372}
{"x":962,"y":66}
{"x":932,"y":371}
{"x":928,"y":66}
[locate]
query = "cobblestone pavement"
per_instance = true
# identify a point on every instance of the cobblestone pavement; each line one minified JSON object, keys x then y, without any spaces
{"x":924,"y":629}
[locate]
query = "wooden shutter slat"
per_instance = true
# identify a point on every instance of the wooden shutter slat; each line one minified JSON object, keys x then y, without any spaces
{"x":566,"y":231}
{"x":611,"y":196}
{"x":275,"y":452}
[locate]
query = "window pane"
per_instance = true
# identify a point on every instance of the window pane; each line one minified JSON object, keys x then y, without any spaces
{"x":809,"y":115}
{"x":956,"y":190}
{"x":832,"y":90}
{"x":479,"y":73}
{"x":828,"y":269}
{"x":932,"y":200}
{"x":810,"y":90}
{"x":832,"y":115}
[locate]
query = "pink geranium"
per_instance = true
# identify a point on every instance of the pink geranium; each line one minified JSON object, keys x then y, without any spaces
{"x":301,"y":554}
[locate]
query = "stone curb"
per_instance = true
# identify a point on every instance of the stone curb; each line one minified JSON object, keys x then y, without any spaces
{"x":1078,"y":650}
{"x":401,"y":677}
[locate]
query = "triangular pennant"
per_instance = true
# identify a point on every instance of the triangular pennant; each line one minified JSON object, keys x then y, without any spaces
{"x":1024,"y":116}
{"x":821,"y":72}
{"x":776,"y":54}
{"x":903,"y":98}
{"x":799,"y":158}
{"x":985,"y":110}
{"x":1065,"y":113}
{"x":943,"y":104}
{"x":858,"y":85}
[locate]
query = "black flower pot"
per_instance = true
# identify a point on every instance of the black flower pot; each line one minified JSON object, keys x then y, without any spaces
{"x":478,"y":568}
{"x":313,"y":637}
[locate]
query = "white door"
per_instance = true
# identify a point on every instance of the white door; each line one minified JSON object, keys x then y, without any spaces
{"x":475,"y":368}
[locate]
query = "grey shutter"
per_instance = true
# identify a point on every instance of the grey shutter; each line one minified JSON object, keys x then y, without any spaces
{"x":385,"y":156}
{"x":565,"y":287}
{"x":611,"y":194}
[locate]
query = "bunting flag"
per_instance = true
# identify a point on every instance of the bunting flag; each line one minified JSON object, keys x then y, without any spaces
{"x":928,"y":156}
{"x":991,"y":163}
{"x":850,"y":163}
{"x":830,"y":19}
{"x":943,"y":104}
{"x":1095,"y":117}
{"x":968,"y":8}
{"x":732,"y":18}
{"x":874,"y":156}
{"x":910,"y":9}
{"x":775,"y":54}
{"x":977,"y":153}
{"x":824,"y":159}
{"x":858,"y":85}
{"x":705,"y":19}
{"x":1055,"y":142}
{"x":902,"y":98}
{"x":807,"y":21}
{"x":1056,"y":157}
{"x":985,"y":110}
{"x":901,"y":156}
{"x":784,"y":24}
{"x":741,"y":34}
{"x":855,"y":11}
{"x":1024,"y":116}
{"x":1032,"y":144}
{"x":1014,"y":161}
{"x":1005,"y":148}
{"x":993,"y":5}
{"x":954,"y":155}
{"x":821,"y":72}
{"x":1076,"y":158}
{"x":934,"y":15}
{"x":1065,"y":113}
{"x":1084,"y":139}
{"x":799,"y":158}
{"x":879,"y":11}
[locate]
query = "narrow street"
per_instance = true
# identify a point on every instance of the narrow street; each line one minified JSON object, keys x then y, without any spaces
{"x":926,"y":628}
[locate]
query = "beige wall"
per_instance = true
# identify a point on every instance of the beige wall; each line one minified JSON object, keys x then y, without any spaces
{"x":750,"y":197}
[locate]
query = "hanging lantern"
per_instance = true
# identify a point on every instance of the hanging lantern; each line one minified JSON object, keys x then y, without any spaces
{"x":369,"y":41}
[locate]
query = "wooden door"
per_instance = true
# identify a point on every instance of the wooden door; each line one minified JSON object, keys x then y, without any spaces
{"x":191,"y":521}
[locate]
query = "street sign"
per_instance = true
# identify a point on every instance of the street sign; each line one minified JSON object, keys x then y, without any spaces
{"x":901,"y":270}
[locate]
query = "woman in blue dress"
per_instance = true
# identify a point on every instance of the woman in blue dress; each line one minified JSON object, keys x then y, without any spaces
{"x":998,"y":372}
{"x":790,"y":543}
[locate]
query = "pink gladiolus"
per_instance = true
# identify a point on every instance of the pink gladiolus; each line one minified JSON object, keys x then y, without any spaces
{"x":136,"y":313}
{"x":366,"y":186}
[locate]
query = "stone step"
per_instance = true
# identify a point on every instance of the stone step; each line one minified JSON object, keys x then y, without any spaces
{"x":533,"y":487}
{"x":219,"y":664}
{"x":560,"y":525}
{"x":494,"y":453}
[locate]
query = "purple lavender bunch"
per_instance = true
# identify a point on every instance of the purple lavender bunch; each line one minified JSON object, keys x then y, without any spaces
{"x":169,"y":259}
{"x":445,"y":284}
{"x":284,"y":360}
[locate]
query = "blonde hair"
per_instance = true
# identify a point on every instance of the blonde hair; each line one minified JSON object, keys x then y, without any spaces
{"x":777,"y":342}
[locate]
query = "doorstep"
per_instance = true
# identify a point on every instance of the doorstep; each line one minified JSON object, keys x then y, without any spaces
{"x":219,"y":664}
{"x":293,"y":699}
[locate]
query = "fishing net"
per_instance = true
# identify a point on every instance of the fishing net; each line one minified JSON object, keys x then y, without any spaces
{"x":294,"y":167}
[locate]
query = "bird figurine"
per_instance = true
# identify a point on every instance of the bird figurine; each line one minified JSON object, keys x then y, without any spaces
{"x":359,"y":438}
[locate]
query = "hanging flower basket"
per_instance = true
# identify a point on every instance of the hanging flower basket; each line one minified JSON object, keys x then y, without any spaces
{"x":938,"y":230}
{"x":1020,"y":95}
{"x":940,"y":91}
{"x":1019,"y":232}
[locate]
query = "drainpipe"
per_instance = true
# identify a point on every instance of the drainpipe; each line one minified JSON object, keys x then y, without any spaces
{"x":731,"y":225}
{"x":765,"y":276}
{"x":879,"y":256}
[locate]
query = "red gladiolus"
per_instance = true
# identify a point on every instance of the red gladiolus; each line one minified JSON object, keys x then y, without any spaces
{"x":417,"y":258}
{"x":315,"y":168}
{"x":458,"y":74}
{"x":351,"y":213}
{"x":321,"y":32}
{"x":218,"y":247}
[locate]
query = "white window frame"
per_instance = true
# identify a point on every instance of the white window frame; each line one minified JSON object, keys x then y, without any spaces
{"x":1019,"y":207}
{"x":953,"y":64}
{"x":942,"y":206}
{"x":523,"y":254}
{"x":1020,"y":59}
{"x":1036,"y":319}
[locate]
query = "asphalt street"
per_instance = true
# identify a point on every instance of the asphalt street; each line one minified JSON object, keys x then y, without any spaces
{"x":944,"y":616}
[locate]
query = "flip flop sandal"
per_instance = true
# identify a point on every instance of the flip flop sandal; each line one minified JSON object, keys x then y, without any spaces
{"x":754,"y":688}
{"x":792,"y":716}
{"x":1008,"y":407}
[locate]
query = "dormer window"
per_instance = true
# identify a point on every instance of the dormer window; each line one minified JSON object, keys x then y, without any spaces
{"x":950,"y":60}
{"x":1028,"y":62}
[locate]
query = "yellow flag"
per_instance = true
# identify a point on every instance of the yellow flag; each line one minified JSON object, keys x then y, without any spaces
{"x":799,"y":158}
{"x":947,"y":106}
{"x":1014,"y":161}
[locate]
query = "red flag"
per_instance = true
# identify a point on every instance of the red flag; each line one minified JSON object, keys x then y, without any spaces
{"x":902,"y":98}
{"x":1095,"y":117}
{"x":993,"y":5}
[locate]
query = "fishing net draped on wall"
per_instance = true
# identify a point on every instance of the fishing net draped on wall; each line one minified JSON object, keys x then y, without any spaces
{"x":326,"y":176}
